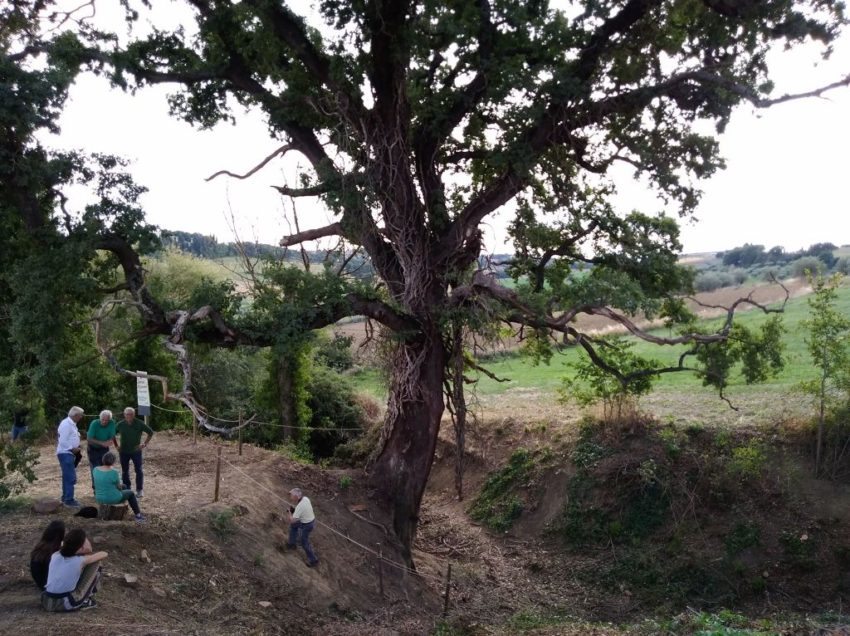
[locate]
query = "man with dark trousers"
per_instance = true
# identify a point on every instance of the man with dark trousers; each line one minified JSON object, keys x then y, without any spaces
{"x":130,"y":448}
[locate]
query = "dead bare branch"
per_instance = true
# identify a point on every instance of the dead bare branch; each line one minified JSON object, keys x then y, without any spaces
{"x":277,"y":153}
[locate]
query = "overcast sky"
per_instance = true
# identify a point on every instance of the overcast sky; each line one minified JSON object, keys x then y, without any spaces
{"x":787,"y":180}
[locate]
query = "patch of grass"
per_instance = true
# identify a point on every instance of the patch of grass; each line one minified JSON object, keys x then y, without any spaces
{"x":496,"y":506}
{"x":221,"y":522}
{"x":345,"y":482}
{"x":531,"y":619}
{"x":748,"y":461}
{"x":15,"y":504}
{"x":446,"y":628}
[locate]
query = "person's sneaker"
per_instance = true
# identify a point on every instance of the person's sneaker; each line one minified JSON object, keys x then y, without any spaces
{"x":140,"y":494}
{"x":140,"y":517}
{"x":89,"y":603}
{"x":313,"y":564}
{"x":72,"y":504}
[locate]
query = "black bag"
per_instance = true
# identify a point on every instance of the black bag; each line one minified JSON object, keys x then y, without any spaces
{"x":89,"y":512}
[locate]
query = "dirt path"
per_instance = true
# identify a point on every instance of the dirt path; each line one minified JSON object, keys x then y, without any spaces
{"x":218,"y":568}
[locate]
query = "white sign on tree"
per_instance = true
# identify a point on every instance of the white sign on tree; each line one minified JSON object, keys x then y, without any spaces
{"x":143,"y":394}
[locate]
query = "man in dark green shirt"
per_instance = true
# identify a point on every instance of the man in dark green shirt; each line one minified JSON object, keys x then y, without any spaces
{"x":130,"y":447}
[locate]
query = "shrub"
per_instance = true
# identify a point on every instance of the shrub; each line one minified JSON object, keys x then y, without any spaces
{"x":843,"y":265}
{"x":745,"y":534}
{"x":334,"y":405}
{"x":807,"y":264}
{"x":707,"y":281}
{"x":17,"y":461}
{"x":799,"y":549}
{"x":335,"y":353}
{"x":221,"y":522}
{"x":495,"y":506}
{"x":748,"y":461}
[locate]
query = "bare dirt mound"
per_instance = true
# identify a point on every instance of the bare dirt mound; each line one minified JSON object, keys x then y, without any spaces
{"x":223,"y":568}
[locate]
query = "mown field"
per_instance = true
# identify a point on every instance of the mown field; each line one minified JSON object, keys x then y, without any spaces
{"x":678,"y":395}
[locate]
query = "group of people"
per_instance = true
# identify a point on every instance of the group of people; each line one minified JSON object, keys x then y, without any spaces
{"x":63,"y":564}
{"x":104,"y":435}
{"x":66,"y":569}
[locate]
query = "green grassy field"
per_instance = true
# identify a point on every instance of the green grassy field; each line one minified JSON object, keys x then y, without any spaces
{"x":546,"y":378}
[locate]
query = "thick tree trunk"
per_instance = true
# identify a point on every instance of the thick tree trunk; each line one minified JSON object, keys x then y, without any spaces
{"x":409,"y":438}
{"x":286,"y":397}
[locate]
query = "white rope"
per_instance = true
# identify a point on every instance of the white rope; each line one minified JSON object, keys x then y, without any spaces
{"x":292,"y":426}
{"x":378,"y":555}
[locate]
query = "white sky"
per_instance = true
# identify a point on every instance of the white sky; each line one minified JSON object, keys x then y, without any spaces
{"x":786,"y":182}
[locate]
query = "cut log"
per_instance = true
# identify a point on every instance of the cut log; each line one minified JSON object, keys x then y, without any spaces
{"x":107,"y":512}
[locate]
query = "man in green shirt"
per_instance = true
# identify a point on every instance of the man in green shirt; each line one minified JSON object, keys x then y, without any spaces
{"x":130,"y":448}
{"x":100,"y":436}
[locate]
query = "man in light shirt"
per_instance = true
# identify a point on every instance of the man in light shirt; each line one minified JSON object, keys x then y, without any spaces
{"x":67,"y":449}
{"x":301,"y":520}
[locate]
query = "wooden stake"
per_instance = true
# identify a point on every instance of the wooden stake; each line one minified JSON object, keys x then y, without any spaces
{"x":240,"y":433}
{"x":217,"y":473}
{"x":381,"y":570}
{"x":448,"y":588}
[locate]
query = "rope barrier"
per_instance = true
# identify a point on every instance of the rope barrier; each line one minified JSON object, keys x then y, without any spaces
{"x":257,"y":422}
{"x":377,"y":555}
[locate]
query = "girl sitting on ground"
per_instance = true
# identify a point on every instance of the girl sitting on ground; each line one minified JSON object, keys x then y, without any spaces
{"x":51,"y":541}
{"x":72,"y":577}
{"x":107,"y":486}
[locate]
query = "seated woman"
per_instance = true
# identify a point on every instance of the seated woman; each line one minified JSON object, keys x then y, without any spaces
{"x":51,"y":541}
{"x":107,"y":486}
{"x":72,"y":577}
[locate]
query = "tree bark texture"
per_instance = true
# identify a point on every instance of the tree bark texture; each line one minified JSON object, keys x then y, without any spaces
{"x":286,"y":397}
{"x":403,"y":463}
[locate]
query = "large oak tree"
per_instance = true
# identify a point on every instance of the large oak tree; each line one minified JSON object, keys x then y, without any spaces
{"x":421,"y":119}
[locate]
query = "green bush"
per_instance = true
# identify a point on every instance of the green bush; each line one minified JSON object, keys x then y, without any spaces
{"x":334,"y":353}
{"x":495,"y":506}
{"x":221,"y":522}
{"x":334,"y":405}
{"x":17,"y":461}
{"x":807,"y":264}
{"x":799,"y":549}
{"x":745,"y":534}
{"x":748,"y":461}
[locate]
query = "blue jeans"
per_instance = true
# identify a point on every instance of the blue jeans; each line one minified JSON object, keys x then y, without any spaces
{"x":305,"y":529}
{"x":69,"y":476}
{"x":136,"y":457}
{"x":18,"y":431}
{"x":130,"y":497}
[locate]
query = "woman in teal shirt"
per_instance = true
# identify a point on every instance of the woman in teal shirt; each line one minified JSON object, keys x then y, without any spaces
{"x":107,"y":486}
{"x":100,"y":435}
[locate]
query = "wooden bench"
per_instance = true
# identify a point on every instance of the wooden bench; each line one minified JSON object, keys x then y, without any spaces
{"x":109,"y":512}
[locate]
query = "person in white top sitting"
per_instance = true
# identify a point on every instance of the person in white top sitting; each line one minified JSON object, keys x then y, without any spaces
{"x":73,"y":575}
{"x":67,"y":451}
{"x":301,"y":521}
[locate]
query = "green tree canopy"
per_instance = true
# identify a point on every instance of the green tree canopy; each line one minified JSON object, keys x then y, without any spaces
{"x":418,"y":121}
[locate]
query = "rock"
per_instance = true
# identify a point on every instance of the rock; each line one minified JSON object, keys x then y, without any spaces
{"x":265,"y":604}
{"x":46,"y":505}
{"x":98,"y":539}
{"x":159,"y":591}
{"x":145,"y":556}
{"x":131,"y":580}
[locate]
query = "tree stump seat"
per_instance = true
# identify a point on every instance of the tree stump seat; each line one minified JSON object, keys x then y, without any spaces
{"x":111,"y":512}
